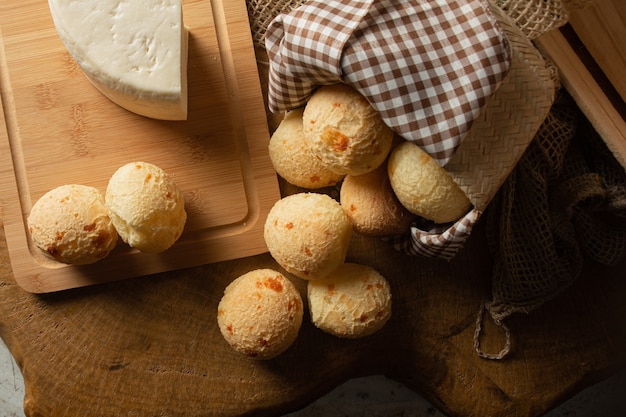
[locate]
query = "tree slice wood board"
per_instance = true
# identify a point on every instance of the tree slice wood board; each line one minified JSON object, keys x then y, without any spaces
{"x":58,"y":129}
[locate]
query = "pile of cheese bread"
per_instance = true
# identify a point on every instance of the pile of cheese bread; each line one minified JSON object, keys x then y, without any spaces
{"x":337,"y":138}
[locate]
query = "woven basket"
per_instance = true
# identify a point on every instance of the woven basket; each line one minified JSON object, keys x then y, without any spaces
{"x":262,"y":12}
{"x":508,"y":122}
{"x":496,"y":140}
{"x":536,"y":17}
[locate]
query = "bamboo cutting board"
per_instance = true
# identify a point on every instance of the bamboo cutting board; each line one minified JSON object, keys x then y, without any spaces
{"x":59,"y":129}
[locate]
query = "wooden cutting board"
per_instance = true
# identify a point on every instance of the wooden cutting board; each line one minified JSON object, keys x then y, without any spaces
{"x":59,"y":129}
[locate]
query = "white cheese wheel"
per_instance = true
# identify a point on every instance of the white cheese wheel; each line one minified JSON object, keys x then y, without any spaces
{"x":133,"y":52}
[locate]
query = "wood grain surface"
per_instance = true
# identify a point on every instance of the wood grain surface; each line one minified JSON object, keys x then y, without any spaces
{"x":61,"y":130}
{"x":602,"y":29}
{"x":151,"y":346}
{"x":607,"y":119}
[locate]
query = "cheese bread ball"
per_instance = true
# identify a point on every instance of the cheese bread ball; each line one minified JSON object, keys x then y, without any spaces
{"x":293,"y":160}
{"x":260,"y":314}
{"x":71,"y":224}
{"x":352,"y":302}
{"x":308,"y":234}
{"x":371,"y":205}
{"x":423,"y":186}
{"x":344,"y":131}
{"x":146,"y":207}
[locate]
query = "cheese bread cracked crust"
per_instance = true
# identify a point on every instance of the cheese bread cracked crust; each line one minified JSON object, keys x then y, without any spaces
{"x":71,"y":224}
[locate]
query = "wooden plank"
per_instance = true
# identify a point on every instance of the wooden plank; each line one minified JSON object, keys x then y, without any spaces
{"x":602,"y":28}
{"x":589,"y":97}
{"x":60,"y":129}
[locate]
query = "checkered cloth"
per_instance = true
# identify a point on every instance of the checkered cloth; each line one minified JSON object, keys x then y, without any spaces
{"x":426,"y":66}
{"x":441,"y":241}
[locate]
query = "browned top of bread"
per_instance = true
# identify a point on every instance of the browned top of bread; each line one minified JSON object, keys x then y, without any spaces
{"x":308,"y":234}
{"x":146,"y":206}
{"x":344,"y":131}
{"x":423,"y":186}
{"x":70,"y":224}
{"x":260,"y":313}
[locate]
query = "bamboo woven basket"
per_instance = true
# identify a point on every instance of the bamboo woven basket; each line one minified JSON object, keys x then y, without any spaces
{"x":496,"y":141}
{"x":508,"y":122}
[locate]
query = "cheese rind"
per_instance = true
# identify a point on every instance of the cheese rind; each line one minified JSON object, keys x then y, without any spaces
{"x":133,"y":52}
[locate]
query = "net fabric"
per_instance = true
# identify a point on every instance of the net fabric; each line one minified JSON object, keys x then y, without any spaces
{"x":536,"y":17}
{"x":262,"y":12}
{"x":564,"y":201}
{"x":533,"y":17}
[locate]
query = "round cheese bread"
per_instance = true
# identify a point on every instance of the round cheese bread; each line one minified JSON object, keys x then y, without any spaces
{"x":260,"y":314}
{"x":308,"y":234}
{"x":146,"y":207}
{"x":293,"y":160}
{"x":423,"y":186}
{"x":344,"y":131}
{"x":371,"y":205}
{"x":71,"y":224}
{"x":353,"y":301}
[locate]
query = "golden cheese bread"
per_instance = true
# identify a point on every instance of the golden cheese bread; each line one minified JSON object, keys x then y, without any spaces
{"x":146,"y":207}
{"x":353,"y":301}
{"x":293,"y":160}
{"x":71,"y":224}
{"x":260,"y":314}
{"x":308,"y":234}
{"x":371,"y":205}
{"x":344,"y":131}
{"x":423,"y":186}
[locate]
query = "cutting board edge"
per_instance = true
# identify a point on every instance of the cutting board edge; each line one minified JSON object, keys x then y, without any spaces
{"x":27,"y":263}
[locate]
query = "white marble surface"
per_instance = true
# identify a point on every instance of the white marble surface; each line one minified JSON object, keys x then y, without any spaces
{"x":11,"y":385}
{"x":375,"y":396}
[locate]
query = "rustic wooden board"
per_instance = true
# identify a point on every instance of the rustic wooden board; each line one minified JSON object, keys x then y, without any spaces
{"x":126,"y":348}
{"x":602,"y":28}
{"x":59,"y":129}
{"x":588,"y":94}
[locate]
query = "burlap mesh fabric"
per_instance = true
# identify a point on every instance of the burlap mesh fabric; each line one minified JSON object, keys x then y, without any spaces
{"x":535,"y":17}
{"x":262,"y":12}
{"x":565,"y":201}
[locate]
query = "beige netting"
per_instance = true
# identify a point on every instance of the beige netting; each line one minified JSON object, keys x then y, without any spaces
{"x":535,"y":17}
{"x":564,"y":201}
{"x":262,"y":12}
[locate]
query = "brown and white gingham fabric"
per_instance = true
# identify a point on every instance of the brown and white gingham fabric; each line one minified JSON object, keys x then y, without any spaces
{"x":441,"y":241}
{"x":427,"y":66}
